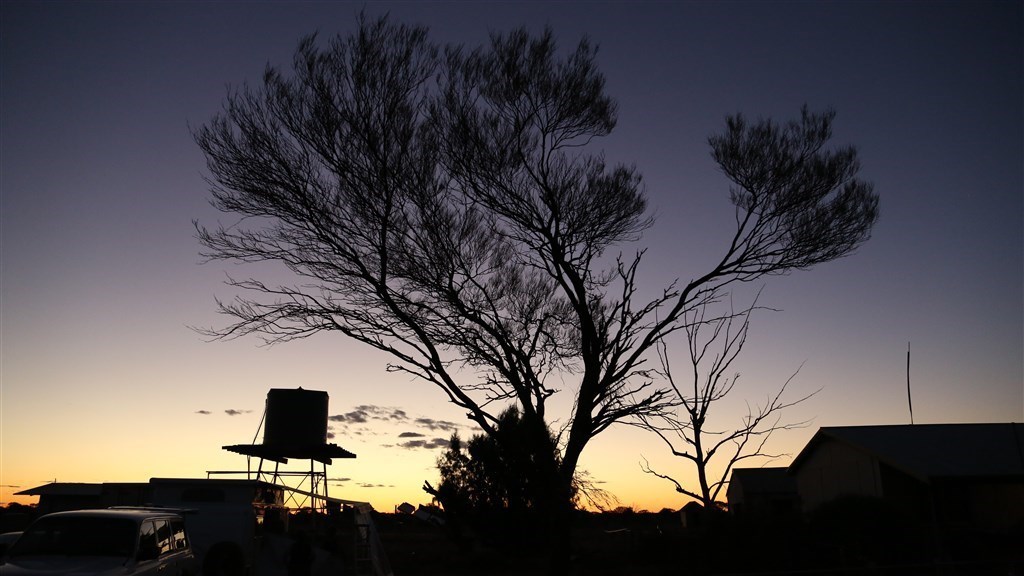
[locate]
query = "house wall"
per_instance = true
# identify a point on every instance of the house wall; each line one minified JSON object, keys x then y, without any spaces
{"x":126,"y":494}
{"x":835,"y":469}
{"x":906,"y":493}
{"x":997,"y":505}
{"x":978,"y":503}
{"x":734,"y":496}
{"x":763,"y":504}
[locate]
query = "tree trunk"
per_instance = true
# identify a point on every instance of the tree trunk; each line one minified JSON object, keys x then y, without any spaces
{"x":560,"y":528}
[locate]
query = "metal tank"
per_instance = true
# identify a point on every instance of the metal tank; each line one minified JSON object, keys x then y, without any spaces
{"x":295,"y":417}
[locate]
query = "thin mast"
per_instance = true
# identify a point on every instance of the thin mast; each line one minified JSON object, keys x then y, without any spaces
{"x":910,"y":403}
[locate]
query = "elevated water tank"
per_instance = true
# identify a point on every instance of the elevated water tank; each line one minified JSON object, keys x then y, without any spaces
{"x":295,"y":417}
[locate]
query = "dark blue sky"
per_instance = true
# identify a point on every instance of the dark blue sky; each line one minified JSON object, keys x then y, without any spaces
{"x":100,"y":182}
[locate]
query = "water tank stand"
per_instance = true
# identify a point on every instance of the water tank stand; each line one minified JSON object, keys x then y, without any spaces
{"x":295,"y":426}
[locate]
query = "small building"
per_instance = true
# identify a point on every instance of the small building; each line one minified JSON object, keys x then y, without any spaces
{"x":692,"y":515}
{"x":762,"y":493}
{"x":60,"y":496}
{"x":965,"y":474}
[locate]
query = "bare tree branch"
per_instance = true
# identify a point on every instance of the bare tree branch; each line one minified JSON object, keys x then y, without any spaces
{"x":685,"y":430}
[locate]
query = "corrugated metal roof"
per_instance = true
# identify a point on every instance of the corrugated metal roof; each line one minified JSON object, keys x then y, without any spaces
{"x":934,"y":450}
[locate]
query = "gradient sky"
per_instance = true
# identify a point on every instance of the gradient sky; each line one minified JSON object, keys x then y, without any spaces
{"x":102,"y":379}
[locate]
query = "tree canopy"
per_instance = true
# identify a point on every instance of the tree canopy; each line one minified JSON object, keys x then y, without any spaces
{"x":451,"y":207}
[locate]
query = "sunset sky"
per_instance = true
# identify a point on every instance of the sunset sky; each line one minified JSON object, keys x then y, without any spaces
{"x":102,"y":379}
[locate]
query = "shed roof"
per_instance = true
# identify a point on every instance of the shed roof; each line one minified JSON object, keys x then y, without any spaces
{"x":63,"y":489}
{"x":933,"y":450}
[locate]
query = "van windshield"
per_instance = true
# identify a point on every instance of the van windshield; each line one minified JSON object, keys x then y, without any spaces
{"x":77,"y":536}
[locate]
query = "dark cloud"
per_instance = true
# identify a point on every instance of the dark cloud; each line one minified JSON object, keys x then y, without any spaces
{"x":362,"y":421}
{"x":437,"y":424}
{"x":330,"y":435}
{"x":384,"y":412}
{"x":356,"y":416}
{"x":203,"y":412}
{"x":366,"y":412}
{"x":428,"y":444}
{"x":348,"y":423}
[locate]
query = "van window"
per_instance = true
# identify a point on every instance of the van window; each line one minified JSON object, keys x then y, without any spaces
{"x":178,"y":534}
{"x":163,"y":536}
{"x":147,"y":536}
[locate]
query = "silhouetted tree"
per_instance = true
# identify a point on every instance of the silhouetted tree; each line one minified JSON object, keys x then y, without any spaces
{"x":713,"y":343}
{"x":445,"y":206}
{"x":498,"y":488}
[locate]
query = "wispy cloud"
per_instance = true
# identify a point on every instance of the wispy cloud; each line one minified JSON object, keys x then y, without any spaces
{"x":369,"y":485}
{"x":229,"y":412}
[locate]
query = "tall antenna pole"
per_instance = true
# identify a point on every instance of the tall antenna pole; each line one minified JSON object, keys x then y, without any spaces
{"x":910,"y":403}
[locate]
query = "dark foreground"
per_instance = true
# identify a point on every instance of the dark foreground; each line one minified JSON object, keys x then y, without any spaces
{"x":855,"y":541}
{"x":658,"y":544}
